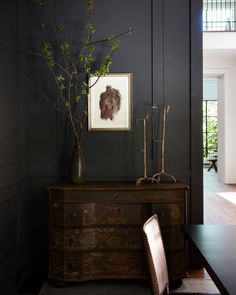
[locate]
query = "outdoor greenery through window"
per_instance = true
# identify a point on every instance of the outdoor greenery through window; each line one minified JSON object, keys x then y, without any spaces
{"x":210,"y":129}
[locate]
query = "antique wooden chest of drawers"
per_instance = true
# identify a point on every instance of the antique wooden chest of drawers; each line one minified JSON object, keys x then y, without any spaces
{"x":95,"y":229}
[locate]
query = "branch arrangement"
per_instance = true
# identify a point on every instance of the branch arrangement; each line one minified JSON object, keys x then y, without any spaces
{"x":70,"y":72}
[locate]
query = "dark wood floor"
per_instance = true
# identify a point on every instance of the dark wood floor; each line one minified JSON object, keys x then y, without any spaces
{"x":199,"y":273}
{"x":219,"y":207}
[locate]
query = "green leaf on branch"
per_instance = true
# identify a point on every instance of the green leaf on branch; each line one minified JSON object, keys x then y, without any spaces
{"x":47,"y":49}
{"x":41,"y":3}
{"x":92,"y":48}
{"x":89,"y":59}
{"x":50,"y":63}
{"x":87,"y":69}
{"x":105,"y":67}
{"x":47,"y":52}
{"x":60,"y":78}
{"x":77,"y":98}
{"x":84,"y":88}
{"x":91,"y":28}
{"x":64,"y":48}
{"x":62,"y":87}
{"x":81,"y":57}
{"x":114,"y":47}
{"x":94,"y":74}
{"x":58,"y":29}
{"x":84,"y":91}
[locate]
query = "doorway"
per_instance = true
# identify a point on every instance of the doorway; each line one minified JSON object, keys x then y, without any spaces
{"x":219,"y":88}
{"x":210,"y":123}
{"x":219,"y":191}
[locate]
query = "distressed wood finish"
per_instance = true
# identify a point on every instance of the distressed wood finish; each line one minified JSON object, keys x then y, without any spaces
{"x":97,"y":265}
{"x":95,"y":238}
{"x":95,"y":229}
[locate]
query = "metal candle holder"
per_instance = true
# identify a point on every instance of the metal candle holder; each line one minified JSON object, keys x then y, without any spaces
{"x":157,"y":176}
{"x":145,"y":178}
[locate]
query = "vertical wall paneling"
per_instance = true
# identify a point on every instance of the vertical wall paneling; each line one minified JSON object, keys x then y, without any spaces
{"x":24,"y":84}
{"x":116,"y":155}
{"x":177,"y":86}
{"x":41,"y":134}
{"x":72,"y":18}
{"x":164,"y":55}
{"x":157,"y":75}
{"x":196,"y":185}
{"x":158,"y":51}
{"x":9,"y":173}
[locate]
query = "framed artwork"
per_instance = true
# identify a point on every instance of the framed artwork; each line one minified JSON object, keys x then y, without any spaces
{"x":110,"y":102}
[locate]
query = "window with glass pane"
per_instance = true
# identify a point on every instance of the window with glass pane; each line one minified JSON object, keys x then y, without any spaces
{"x":210,"y":128}
{"x":219,"y":15}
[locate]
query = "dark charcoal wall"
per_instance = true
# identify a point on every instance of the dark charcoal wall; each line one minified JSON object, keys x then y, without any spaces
{"x":158,"y":55}
{"x":164,"y":55}
{"x":9,"y":170}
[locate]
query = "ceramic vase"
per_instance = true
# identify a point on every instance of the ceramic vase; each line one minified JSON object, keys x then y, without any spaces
{"x":77,"y":165}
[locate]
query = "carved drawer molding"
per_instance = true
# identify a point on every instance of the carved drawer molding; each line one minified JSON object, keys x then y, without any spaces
{"x":95,"y":229}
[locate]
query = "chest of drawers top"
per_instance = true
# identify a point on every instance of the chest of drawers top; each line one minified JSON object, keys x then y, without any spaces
{"x":117,"y":192}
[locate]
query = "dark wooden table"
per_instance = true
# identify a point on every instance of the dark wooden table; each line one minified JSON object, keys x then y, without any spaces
{"x":216,"y":245}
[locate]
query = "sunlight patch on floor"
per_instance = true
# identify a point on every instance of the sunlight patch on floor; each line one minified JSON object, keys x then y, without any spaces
{"x":229,"y":196}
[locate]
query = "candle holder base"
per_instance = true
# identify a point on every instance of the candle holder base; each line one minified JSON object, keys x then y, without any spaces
{"x":145,"y":180}
{"x":157,"y":177}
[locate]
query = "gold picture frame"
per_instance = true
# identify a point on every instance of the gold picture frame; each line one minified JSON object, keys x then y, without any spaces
{"x":110,"y":102}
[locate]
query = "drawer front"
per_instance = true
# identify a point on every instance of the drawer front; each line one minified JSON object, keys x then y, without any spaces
{"x":97,"y":265}
{"x":133,"y":193}
{"x":115,"y":213}
{"x":173,"y":238}
{"x":56,"y":213}
{"x":169,"y":214}
{"x":95,"y":214}
{"x":68,"y":214}
{"x":176,"y":264}
{"x":103,"y":238}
